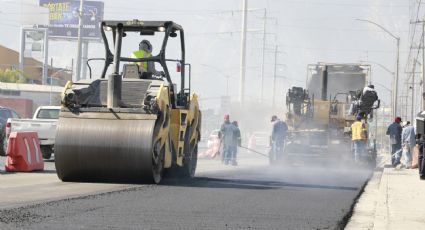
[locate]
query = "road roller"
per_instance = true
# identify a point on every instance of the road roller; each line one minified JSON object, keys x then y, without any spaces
{"x":129,"y":124}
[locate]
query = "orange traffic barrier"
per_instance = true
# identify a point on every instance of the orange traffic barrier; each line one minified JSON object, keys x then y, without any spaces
{"x":23,"y":152}
{"x":415,"y":154}
{"x":213,"y":151}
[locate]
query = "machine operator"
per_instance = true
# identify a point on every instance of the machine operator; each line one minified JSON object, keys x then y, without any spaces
{"x":145,"y":51}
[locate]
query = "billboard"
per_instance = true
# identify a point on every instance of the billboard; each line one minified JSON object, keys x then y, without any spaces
{"x":63,"y":18}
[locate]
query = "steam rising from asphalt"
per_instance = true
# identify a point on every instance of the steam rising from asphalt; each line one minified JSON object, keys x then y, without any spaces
{"x":308,"y":168}
{"x":312,"y":171}
{"x":254,"y":117}
{"x":255,"y":170}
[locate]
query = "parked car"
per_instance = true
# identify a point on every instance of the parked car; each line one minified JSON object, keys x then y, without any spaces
{"x":44,"y":122}
{"x":259,"y":141}
{"x":5,"y":114}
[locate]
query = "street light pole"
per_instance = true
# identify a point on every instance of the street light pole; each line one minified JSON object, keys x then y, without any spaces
{"x":243,"y":49}
{"x":80,"y":40}
{"x":274,"y":77}
{"x":396,"y":76}
{"x":263,"y":55}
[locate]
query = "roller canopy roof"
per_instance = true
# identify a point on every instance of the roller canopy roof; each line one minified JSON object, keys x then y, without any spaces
{"x":138,"y":25}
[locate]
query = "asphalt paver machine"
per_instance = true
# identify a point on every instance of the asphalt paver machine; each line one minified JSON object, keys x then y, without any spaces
{"x":320,"y":117}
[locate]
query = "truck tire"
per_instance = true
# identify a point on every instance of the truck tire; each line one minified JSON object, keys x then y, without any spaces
{"x":46,"y":151}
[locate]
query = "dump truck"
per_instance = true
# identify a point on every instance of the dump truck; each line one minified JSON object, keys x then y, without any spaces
{"x":320,"y":116}
{"x":129,"y":124}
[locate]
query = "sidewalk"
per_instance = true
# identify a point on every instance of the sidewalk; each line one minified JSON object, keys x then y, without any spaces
{"x":392,"y":199}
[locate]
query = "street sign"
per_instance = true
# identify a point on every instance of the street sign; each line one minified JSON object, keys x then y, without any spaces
{"x":64,"y":17}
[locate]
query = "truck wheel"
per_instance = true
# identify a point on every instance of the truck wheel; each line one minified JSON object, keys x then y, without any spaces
{"x":3,"y":147}
{"x":46,"y":151}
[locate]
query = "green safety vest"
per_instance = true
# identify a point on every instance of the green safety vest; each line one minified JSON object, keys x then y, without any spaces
{"x":141,"y":54}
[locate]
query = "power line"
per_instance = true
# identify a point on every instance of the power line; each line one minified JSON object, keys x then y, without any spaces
{"x":331,"y":28}
{"x":341,"y":4}
{"x":340,"y":50}
{"x":413,"y":36}
{"x":189,"y":12}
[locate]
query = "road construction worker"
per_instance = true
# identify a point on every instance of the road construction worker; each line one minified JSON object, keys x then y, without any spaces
{"x":359,"y":133}
{"x":236,"y":142}
{"x":147,"y":68}
{"x":278,"y":137}
{"x":227,"y":133}
{"x":408,"y":140}
{"x":365,"y":99}
{"x":394,"y":131}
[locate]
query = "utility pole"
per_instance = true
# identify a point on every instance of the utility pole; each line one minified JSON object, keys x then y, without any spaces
{"x":403,"y":108}
{"x":413,"y":98}
{"x":423,"y":67}
{"x":396,"y":77}
{"x":264,"y":51}
{"x":80,"y":41}
{"x":274,"y":77}
{"x":422,"y":46}
{"x":243,"y":49}
{"x":412,"y":87}
{"x":421,"y":90}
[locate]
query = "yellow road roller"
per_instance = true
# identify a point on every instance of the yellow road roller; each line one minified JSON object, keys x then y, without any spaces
{"x":131,"y":123}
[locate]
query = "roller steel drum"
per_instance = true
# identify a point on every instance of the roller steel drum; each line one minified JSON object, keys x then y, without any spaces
{"x":104,"y":149}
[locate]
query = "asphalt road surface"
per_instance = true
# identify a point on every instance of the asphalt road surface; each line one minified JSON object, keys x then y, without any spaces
{"x":249,"y":196}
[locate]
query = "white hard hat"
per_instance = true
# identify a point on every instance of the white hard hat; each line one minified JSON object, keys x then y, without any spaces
{"x":145,"y":45}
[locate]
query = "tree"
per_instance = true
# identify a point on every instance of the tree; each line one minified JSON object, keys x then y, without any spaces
{"x":12,"y":76}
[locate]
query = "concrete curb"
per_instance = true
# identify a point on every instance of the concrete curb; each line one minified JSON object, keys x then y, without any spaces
{"x":365,"y":209}
{"x":381,"y":210}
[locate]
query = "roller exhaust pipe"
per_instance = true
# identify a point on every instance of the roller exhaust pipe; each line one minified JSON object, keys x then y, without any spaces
{"x":325,"y":83}
{"x":115,"y":79}
{"x":114,"y":91}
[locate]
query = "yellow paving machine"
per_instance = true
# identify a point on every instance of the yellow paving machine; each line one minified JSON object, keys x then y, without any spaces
{"x":320,"y":117}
